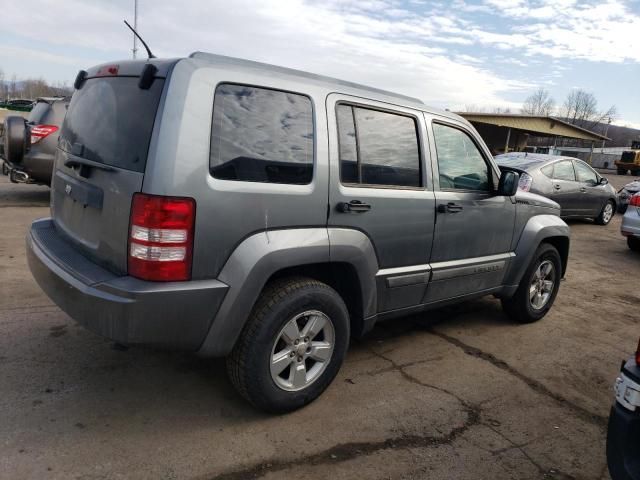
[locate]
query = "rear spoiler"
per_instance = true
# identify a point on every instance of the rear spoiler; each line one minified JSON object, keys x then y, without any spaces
{"x":145,"y":70}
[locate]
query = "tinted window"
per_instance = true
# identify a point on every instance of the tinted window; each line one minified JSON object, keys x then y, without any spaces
{"x":460,"y":163}
{"x":110,"y":121}
{"x":585,"y":173}
{"x":564,"y":171}
{"x":39,"y":113}
{"x":385,"y":148}
{"x":261,"y":135}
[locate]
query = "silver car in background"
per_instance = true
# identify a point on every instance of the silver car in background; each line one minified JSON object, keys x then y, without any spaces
{"x":625,"y":194}
{"x":631,"y":223}
{"x":579,"y":189}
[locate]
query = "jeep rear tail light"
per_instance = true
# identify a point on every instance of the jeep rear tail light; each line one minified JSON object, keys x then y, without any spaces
{"x":635,"y":200}
{"x":161,"y":237}
{"x":38,"y":132}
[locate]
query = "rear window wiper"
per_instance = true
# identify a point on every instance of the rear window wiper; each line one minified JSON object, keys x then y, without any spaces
{"x":85,"y":166}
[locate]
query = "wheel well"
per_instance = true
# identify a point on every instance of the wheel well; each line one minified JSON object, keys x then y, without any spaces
{"x":562,"y":245}
{"x":343,"y":278}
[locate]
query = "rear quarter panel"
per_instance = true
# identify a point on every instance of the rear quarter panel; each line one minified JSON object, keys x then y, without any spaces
{"x":227,"y":212}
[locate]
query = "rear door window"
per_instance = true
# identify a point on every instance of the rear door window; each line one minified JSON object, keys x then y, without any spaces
{"x":261,"y":135}
{"x":378,"y":148}
{"x":548,"y":171}
{"x":110,"y":121}
{"x":564,"y":171}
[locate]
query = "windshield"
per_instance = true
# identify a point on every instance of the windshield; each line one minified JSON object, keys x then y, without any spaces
{"x":110,"y":121}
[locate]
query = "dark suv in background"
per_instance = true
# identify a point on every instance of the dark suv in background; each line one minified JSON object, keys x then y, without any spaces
{"x":29,"y":146}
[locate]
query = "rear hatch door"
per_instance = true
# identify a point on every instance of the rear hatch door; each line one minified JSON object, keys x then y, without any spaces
{"x":100,"y":162}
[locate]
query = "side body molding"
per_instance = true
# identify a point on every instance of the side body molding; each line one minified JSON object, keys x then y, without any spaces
{"x":537,"y":228}
{"x":262,"y":254}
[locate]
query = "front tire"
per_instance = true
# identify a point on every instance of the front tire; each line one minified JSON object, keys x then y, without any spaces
{"x":292,"y":346}
{"x":538,"y":288}
{"x":633,"y":243}
{"x":606,"y":214}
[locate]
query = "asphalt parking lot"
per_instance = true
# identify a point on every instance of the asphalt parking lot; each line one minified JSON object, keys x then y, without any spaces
{"x":458,"y":393}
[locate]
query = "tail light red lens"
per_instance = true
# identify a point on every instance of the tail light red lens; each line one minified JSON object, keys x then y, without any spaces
{"x":161,"y":237}
{"x":524,"y":184}
{"x":635,"y":200}
{"x":38,"y":132}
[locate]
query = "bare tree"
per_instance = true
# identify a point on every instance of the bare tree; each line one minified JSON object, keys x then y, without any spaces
{"x":473,"y":108}
{"x":581,"y":108}
{"x":539,"y":103}
{"x":3,"y":86}
{"x":13,"y":86}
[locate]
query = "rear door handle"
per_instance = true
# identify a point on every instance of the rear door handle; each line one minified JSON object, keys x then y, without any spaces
{"x":556,"y":186}
{"x":449,"y":208}
{"x":355,"y":206}
{"x":583,"y":190}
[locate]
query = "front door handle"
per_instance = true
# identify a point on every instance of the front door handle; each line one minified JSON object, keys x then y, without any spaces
{"x":449,"y":208}
{"x":355,"y":206}
{"x":583,"y":190}
{"x":556,"y":186}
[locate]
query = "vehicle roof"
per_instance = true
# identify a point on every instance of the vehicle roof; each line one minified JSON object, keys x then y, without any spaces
{"x":329,"y":82}
{"x":526,"y":161}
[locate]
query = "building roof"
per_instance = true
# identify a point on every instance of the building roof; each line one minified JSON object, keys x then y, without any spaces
{"x":534,"y":124}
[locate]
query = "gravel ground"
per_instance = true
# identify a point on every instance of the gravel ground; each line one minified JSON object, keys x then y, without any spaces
{"x":457,"y":393}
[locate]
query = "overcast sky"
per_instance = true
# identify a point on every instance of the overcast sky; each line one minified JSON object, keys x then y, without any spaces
{"x":451,"y":54}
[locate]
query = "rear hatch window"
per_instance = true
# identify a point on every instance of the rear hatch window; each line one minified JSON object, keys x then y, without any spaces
{"x":39,"y":113}
{"x":110,"y":121}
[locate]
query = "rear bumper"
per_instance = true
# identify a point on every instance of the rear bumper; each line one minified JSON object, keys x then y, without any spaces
{"x":122,"y":308}
{"x":623,"y":433}
{"x":38,"y":165}
{"x":631,"y":223}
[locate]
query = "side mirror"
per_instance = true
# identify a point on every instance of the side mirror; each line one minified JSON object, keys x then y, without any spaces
{"x":603,"y":181}
{"x":508,"y":185}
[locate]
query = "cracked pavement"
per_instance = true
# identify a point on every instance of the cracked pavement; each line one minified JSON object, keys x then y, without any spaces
{"x":455,"y":393}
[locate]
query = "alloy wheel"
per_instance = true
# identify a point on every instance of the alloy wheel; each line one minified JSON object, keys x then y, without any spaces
{"x":302,"y":350}
{"x":542,"y":284}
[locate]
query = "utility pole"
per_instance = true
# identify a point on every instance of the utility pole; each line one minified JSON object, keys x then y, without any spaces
{"x":135,"y":27}
{"x":605,"y":133}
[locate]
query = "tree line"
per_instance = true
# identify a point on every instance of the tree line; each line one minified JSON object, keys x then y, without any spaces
{"x":30,"y":88}
{"x":579,"y":108}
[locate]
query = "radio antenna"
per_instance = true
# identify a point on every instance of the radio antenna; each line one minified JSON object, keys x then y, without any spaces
{"x":146,"y":47}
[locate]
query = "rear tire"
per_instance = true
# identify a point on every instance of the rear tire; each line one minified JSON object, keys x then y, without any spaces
{"x":15,"y":139}
{"x":633,"y":243}
{"x":635,"y":173}
{"x":278,"y":362}
{"x":535,"y":296}
{"x":606,"y":214}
